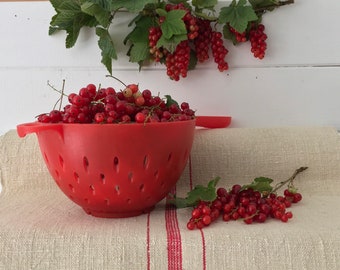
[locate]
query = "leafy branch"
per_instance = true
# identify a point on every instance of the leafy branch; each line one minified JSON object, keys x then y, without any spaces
{"x":209,"y":194}
{"x":73,"y":15}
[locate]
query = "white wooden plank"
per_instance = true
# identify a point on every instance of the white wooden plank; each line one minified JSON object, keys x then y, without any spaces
{"x":254,"y":97}
{"x":304,"y":33}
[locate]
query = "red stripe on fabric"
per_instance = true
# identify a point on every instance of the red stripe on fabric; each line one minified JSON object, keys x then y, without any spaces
{"x":204,"y":258}
{"x":148,"y":241}
{"x":174,"y":241}
{"x":190,"y":174}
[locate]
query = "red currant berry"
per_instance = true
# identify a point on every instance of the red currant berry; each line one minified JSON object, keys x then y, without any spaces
{"x":206,"y":220}
{"x":191,"y":225}
{"x":297,"y":197}
{"x":99,"y":117}
{"x":140,"y":117}
{"x":196,"y":213}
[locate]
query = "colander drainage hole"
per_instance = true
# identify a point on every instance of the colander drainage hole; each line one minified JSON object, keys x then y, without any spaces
{"x":145,"y":162}
{"x":128,"y":201}
{"x":107,"y":202}
{"x":76,"y":177}
{"x":71,"y":188}
{"x":46,"y":158}
{"x":117,"y":189}
{"x":142,"y":188}
{"x":57,"y":173}
{"x":116,"y":163}
{"x":86,"y":163}
{"x":130,"y":176}
{"x":61,"y":161}
{"x":169,"y":157}
{"x":102,"y":178}
{"x":92,"y":189}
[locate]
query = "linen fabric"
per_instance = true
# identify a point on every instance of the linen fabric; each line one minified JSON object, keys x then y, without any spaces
{"x":40,"y":228}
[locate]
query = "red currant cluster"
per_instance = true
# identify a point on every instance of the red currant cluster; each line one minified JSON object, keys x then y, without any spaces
{"x":202,"y":42}
{"x":257,"y":39}
{"x":189,"y":20}
{"x":240,"y":37}
{"x":155,"y":34}
{"x":200,"y":39}
{"x":219,"y":50}
{"x":106,"y":105}
{"x":246,"y":204}
{"x":177,"y":63}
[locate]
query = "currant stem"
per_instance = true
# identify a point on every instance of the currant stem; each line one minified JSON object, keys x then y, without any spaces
{"x":116,"y":79}
{"x":62,"y":95}
{"x":290,"y":179}
{"x":263,"y":9}
{"x":61,"y":92}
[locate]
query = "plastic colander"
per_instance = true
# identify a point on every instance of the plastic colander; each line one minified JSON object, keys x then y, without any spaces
{"x":114,"y":170}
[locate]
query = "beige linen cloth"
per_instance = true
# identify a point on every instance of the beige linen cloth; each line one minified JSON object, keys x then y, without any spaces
{"x":40,"y":228}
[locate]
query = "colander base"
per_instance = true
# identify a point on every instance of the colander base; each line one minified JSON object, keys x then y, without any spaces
{"x":101,"y":214}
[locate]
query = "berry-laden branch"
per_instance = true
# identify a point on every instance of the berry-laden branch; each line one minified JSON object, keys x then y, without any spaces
{"x":255,"y":202}
{"x":177,"y":34}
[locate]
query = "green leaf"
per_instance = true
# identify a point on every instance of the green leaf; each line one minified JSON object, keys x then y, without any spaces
{"x":178,"y":1}
{"x":261,"y":184}
{"x":161,"y":12}
{"x":69,"y":5}
{"x":227,"y":34}
{"x":130,"y":5}
{"x":56,"y":3}
{"x":179,"y":202}
{"x":213,"y":183}
{"x":199,"y":193}
{"x":64,"y":19}
{"x":139,"y":38}
{"x":173,"y":24}
{"x":135,"y":19}
{"x":139,"y":52}
{"x":52,"y":30}
{"x":238,"y":15}
{"x":71,"y":22}
{"x":171,"y":44}
{"x":204,"y":4}
{"x":141,"y":31}
{"x":263,"y":180}
{"x":102,"y":16}
{"x":170,"y":101}
{"x":107,"y":47}
{"x":193,"y":60}
{"x":73,"y":33}
{"x":70,"y":18}
{"x":104,"y":4}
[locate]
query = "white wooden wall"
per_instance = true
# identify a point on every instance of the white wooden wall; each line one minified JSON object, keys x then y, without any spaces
{"x":298,"y":82}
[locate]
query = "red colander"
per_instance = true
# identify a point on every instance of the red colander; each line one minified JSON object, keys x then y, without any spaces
{"x":114,"y":170}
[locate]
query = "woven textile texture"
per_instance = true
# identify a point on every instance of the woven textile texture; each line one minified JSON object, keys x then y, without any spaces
{"x":40,"y":228}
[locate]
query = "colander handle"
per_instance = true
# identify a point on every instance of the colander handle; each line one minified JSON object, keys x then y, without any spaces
{"x":34,"y":127}
{"x":213,"y":121}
